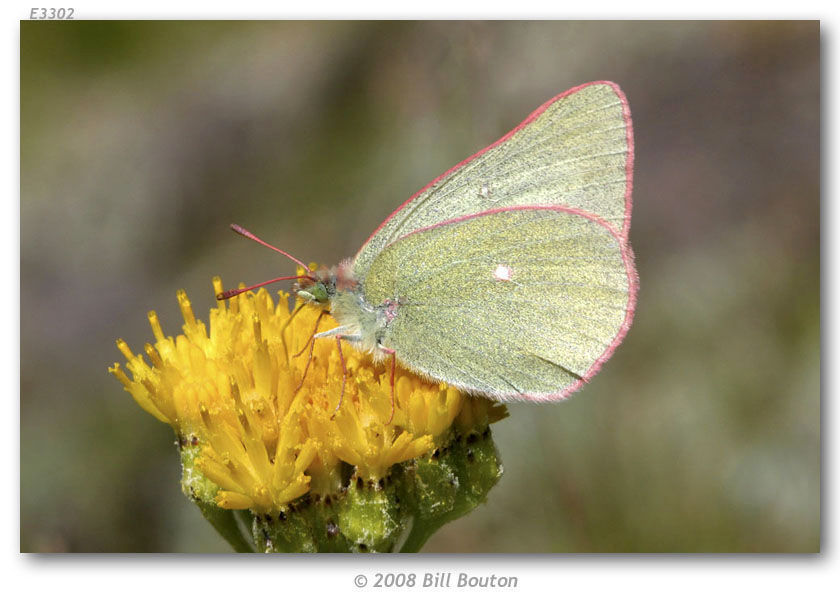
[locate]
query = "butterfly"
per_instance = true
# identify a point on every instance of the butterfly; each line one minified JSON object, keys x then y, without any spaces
{"x":511,"y":274}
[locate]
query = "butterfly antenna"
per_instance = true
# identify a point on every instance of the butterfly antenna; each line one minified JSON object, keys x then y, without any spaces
{"x":245,"y":233}
{"x":236,"y":292}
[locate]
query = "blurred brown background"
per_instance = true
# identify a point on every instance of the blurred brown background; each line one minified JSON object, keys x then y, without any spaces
{"x":141,"y":141}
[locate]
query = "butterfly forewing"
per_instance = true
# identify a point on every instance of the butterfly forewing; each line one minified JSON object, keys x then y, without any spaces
{"x":512,"y":303}
{"x":575,"y":151}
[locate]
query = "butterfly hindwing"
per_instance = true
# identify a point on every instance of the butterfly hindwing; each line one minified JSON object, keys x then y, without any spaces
{"x":511,"y":303}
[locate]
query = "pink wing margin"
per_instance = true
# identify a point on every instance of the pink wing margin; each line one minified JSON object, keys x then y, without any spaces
{"x":628,"y":192}
{"x":632,"y":291}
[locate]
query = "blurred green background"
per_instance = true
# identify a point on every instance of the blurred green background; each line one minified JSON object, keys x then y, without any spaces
{"x":141,"y":141}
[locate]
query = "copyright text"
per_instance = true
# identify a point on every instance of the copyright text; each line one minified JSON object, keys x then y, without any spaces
{"x":436,"y":579}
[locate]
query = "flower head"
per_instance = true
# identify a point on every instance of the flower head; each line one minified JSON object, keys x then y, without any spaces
{"x":258,"y":395}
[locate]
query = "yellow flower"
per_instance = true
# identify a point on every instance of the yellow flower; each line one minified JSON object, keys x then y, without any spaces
{"x":260,"y":401}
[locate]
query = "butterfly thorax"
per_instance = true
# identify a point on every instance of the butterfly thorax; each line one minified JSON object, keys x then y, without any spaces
{"x":339,"y":292}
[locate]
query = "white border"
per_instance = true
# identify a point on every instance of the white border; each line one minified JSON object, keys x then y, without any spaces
{"x":246,"y":577}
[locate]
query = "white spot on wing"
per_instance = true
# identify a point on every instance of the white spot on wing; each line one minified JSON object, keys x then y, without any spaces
{"x":503,"y":273}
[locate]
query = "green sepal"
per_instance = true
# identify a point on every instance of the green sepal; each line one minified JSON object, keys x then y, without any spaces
{"x":450,"y":483}
{"x":364,"y":517}
{"x":373,"y":520}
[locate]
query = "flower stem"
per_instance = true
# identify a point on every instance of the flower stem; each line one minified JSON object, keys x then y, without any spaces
{"x":226,"y":523}
{"x":417,"y":537}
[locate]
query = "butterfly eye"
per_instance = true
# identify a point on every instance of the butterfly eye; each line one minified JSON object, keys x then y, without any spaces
{"x":316,"y":293}
{"x":319,"y":292}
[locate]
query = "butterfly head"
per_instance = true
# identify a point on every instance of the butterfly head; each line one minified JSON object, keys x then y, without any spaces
{"x":321,"y":286}
{"x":314,"y":292}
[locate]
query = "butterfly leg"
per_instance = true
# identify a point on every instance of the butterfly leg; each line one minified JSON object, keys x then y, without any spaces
{"x":283,"y":330}
{"x":311,"y":345}
{"x":393,"y":354}
{"x":335,"y":331}
{"x":338,"y":338}
{"x":311,"y":339}
{"x":343,"y":376}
